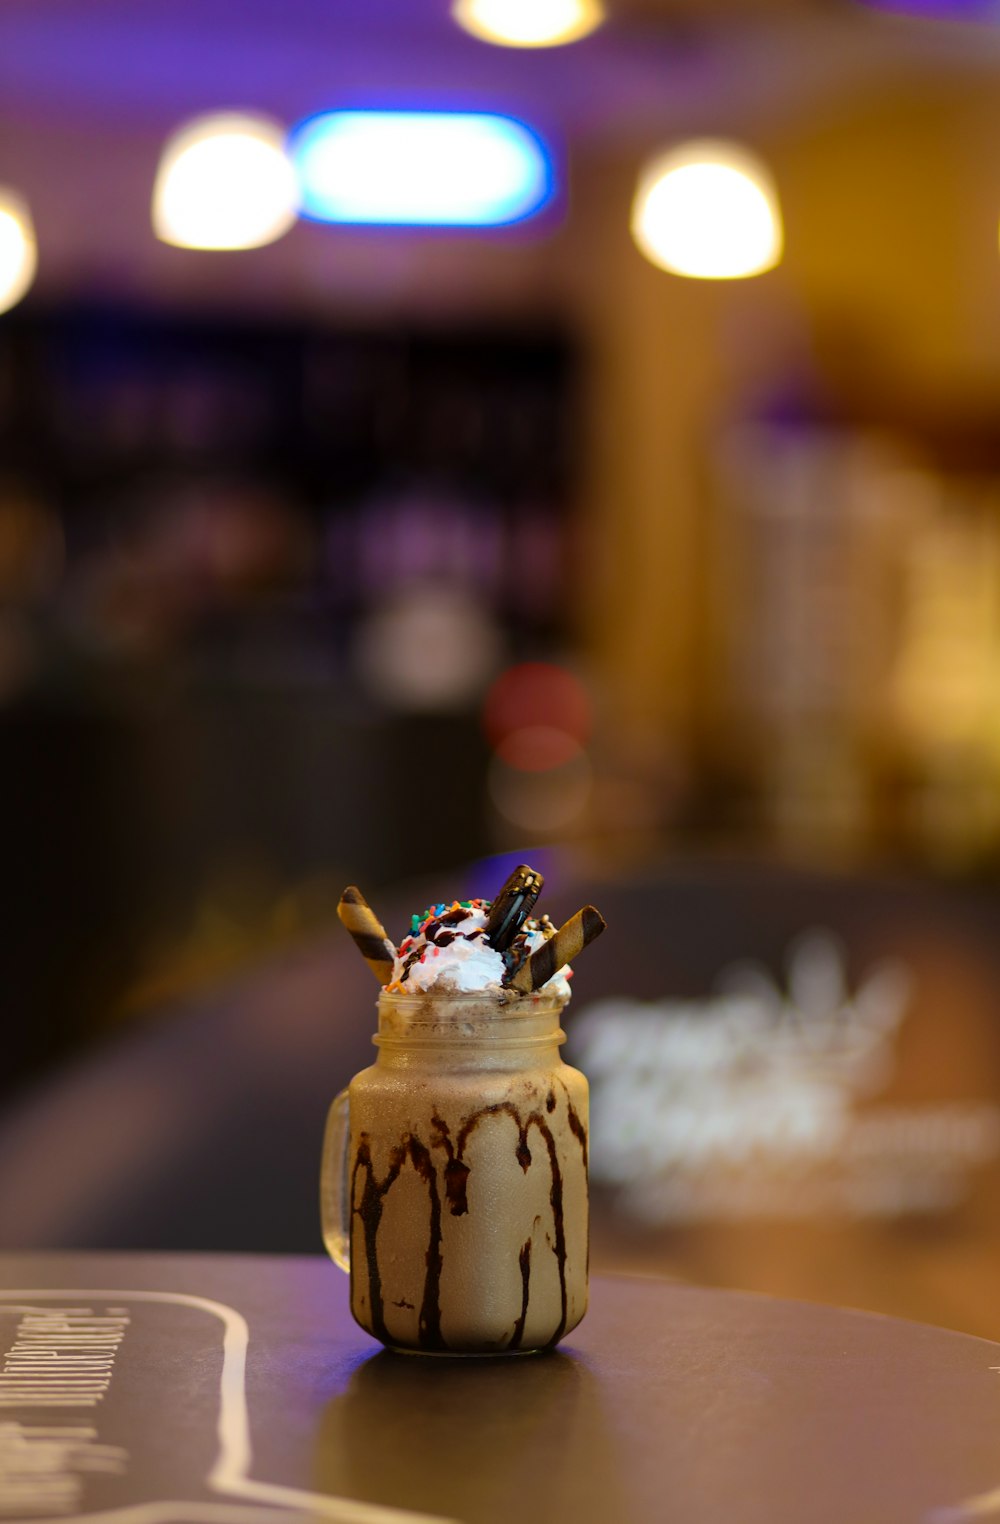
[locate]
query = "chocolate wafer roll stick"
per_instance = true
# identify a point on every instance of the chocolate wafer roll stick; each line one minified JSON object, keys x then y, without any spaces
{"x":563,"y":947}
{"x":368,"y":932}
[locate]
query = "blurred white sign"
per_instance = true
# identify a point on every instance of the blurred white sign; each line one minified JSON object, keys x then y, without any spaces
{"x":743,"y":1105}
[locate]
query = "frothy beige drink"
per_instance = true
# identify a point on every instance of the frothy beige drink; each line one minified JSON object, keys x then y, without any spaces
{"x":455,"y":1168}
{"x":468,"y":1178}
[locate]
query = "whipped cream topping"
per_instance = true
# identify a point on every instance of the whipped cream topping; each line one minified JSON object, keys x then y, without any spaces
{"x":447,"y":950}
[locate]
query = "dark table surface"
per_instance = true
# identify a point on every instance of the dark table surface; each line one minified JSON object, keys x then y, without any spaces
{"x":237,"y":1389}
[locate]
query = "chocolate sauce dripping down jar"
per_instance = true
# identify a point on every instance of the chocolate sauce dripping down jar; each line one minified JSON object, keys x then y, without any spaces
{"x":454,"y":1179}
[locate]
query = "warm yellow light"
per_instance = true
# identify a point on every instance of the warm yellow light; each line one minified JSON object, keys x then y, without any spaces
{"x":528,"y":23}
{"x":225,"y":182}
{"x":708,"y":210}
{"x":18,"y":252}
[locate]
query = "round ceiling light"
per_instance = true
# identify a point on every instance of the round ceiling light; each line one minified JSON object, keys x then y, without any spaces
{"x":528,"y":23}
{"x":708,"y":210}
{"x":18,"y":250}
{"x":225,"y":182}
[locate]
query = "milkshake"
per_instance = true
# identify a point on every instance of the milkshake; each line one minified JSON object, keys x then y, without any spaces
{"x":455,"y":1167}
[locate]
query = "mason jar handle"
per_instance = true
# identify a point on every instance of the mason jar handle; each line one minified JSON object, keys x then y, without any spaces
{"x":334,"y":1188}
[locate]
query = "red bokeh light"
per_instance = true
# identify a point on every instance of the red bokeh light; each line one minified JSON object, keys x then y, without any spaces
{"x":536,"y":695}
{"x":537,"y":748}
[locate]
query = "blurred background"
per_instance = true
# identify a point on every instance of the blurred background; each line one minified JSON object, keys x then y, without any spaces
{"x":435,"y":437}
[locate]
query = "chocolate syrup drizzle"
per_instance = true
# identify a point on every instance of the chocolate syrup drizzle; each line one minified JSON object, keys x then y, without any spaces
{"x":456,"y":1176}
{"x":370,"y":1211}
{"x":524,"y":1260}
{"x":576,"y":1127}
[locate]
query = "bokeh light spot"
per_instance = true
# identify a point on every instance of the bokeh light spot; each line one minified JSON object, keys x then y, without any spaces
{"x":708,"y":210}
{"x":18,"y":252}
{"x":429,"y":648}
{"x":537,"y":748}
{"x":542,"y":803}
{"x":225,"y":182}
{"x":528,"y":23}
{"x":540,"y":695}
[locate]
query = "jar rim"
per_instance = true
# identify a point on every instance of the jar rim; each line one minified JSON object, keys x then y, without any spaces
{"x":447,"y":1018}
{"x":505,"y":1003}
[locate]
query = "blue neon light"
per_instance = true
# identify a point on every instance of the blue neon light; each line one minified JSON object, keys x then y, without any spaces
{"x":421,"y":168}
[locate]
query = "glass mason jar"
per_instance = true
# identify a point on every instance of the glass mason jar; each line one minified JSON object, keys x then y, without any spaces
{"x":454,"y":1179}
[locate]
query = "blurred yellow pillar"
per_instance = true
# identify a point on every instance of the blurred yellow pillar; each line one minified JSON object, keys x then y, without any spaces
{"x":652,"y":371}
